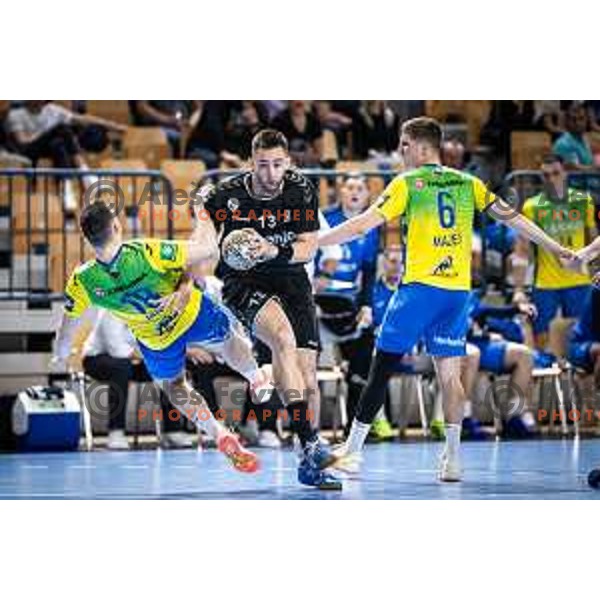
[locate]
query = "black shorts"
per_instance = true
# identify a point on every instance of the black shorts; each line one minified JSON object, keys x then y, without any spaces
{"x":246,"y":295}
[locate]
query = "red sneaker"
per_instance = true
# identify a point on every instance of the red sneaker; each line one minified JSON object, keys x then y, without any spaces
{"x":242,"y":460}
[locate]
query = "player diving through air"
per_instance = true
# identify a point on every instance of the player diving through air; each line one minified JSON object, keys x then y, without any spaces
{"x":145,"y":283}
{"x":438,"y":205}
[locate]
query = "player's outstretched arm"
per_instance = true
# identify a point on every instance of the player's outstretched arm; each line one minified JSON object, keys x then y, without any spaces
{"x":529,"y":230}
{"x":305,"y":247}
{"x":202,"y":245}
{"x":352,"y":228}
{"x":590,"y":252}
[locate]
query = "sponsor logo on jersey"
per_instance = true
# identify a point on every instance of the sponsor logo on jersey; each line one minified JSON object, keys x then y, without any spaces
{"x":167,"y":251}
{"x":99,"y":293}
{"x":445,"y":268}
{"x":419,"y":184}
{"x":233,"y":204}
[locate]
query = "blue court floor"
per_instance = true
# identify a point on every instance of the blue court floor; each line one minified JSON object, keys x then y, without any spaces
{"x":506,"y":470}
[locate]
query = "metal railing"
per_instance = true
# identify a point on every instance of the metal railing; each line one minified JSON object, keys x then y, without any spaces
{"x":40,"y":241}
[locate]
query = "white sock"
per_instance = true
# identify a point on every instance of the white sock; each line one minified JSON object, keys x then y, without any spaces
{"x":438,"y":408}
{"x":452,"y":438}
{"x":380,"y":416}
{"x":468,"y":409}
{"x":357,"y":437}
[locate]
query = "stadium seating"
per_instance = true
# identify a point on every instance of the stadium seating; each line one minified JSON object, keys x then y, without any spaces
{"x":146,"y":143}
{"x":112,"y":110}
{"x":528,"y":148}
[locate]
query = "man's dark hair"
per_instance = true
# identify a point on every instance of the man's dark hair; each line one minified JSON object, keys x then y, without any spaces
{"x":95,"y":222}
{"x":267,"y":139}
{"x":549,"y":159}
{"x":424,"y":129}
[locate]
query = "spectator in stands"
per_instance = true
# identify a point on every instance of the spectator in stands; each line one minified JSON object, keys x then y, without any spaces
{"x":243,"y":126}
{"x":572,"y":146}
{"x":453,"y":154}
{"x":593,"y":110}
{"x":499,"y":336}
{"x":549,"y":117}
{"x":375,"y":131}
{"x":110,"y":356}
{"x":345,"y":295}
{"x":8,"y":156}
{"x":274,"y":108}
{"x":42,"y":129}
{"x":303,"y":131}
{"x":567,"y":215}
{"x":335,"y":121}
{"x":583,"y":350}
{"x":505,"y":117}
{"x":206,"y":141}
{"x":175,"y":117}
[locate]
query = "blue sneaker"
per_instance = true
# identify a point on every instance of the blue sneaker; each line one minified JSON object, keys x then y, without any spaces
{"x":318,"y":454}
{"x":308,"y":474}
{"x":516,"y":429}
{"x":472,"y":430}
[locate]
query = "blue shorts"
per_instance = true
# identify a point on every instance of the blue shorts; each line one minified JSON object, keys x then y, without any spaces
{"x":579,"y":355}
{"x":569,"y":300}
{"x":212,"y":325}
{"x":492,"y":354}
{"x":423,"y":312}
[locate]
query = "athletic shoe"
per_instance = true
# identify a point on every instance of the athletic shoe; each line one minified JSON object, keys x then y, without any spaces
{"x":241,"y":459}
{"x":381,"y":430}
{"x":473,"y":430}
{"x":117,"y":440}
{"x":516,"y":429}
{"x":269,"y":439}
{"x":309,"y":475}
{"x":437,"y":430}
{"x":347,"y":462}
{"x":449,"y":469}
{"x":318,"y":453}
{"x":176,"y":440}
{"x":262,"y":389}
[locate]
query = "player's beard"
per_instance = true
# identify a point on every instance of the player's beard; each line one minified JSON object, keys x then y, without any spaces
{"x":264,"y":189}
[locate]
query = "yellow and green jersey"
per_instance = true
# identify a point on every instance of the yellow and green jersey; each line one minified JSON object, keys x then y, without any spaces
{"x":567,"y":222}
{"x":438,"y":205}
{"x":130,"y":286}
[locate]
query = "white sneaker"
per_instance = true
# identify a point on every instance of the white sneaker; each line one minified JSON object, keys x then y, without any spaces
{"x":269,"y":439}
{"x":346,"y":462}
{"x":262,"y":389}
{"x":177,"y":440}
{"x":450,"y":469}
{"x":117,"y":440}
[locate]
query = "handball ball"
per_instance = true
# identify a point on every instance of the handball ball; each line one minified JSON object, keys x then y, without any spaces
{"x":594,"y":478}
{"x":237,"y":249}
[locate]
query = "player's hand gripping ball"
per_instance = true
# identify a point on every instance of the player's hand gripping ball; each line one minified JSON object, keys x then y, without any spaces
{"x":240,"y":249}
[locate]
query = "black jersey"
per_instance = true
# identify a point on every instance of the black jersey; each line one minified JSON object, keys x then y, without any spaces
{"x":279,"y":219}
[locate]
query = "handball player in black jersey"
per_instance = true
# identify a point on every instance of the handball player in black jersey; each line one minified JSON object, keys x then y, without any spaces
{"x":273,"y":298}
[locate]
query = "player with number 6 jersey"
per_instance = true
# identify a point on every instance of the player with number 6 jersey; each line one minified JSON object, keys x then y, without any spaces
{"x":437,"y":204}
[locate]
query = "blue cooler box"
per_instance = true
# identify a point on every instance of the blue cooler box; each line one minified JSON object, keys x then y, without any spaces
{"x":46,"y":418}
